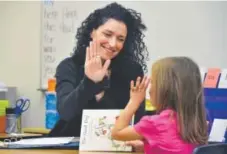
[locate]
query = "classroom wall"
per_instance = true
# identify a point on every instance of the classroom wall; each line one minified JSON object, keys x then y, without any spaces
{"x":20,"y":55}
{"x":20,"y":51}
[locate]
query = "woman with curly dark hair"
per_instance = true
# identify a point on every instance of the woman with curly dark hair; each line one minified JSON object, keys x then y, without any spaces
{"x":110,"y":52}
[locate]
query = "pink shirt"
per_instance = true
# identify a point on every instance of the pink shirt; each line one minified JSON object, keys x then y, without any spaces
{"x":161,"y":134}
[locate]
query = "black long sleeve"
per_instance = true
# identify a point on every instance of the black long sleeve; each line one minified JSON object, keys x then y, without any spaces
{"x":72,"y":100}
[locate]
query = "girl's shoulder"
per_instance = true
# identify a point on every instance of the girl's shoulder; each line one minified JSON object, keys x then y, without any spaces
{"x":162,"y":117}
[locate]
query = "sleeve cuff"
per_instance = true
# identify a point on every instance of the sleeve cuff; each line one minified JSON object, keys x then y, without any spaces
{"x":90,"y":85}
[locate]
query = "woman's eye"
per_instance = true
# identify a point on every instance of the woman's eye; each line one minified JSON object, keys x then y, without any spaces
{"x":107,"y":35}
{"x":121,"y":40}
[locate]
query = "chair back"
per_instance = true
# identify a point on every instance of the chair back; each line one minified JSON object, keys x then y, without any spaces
{"x":218,"y":148}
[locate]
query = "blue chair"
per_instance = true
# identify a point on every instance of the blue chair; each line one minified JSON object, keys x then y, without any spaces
{"x":219,"y":148}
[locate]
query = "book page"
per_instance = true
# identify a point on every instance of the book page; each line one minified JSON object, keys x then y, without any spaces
{"x":96,"y":131}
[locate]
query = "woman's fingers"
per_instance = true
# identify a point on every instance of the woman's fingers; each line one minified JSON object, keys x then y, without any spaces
{"x":92,"y":54}
{"x":98,"y":62}
{"x":106,"y":65}
{"x":96,"y":47}
{"x":87,"y":58}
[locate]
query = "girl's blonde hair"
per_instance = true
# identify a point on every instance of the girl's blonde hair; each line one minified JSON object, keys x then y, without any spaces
{"x":176,"y":84}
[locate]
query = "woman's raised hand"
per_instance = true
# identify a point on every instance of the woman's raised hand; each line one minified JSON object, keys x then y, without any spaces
{"x":95,"y":70}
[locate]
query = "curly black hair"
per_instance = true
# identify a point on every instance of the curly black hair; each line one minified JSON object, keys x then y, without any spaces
{"x":134,"y":47}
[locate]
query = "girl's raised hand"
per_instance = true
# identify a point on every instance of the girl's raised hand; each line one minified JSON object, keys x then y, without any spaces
{"x":138,"y":89}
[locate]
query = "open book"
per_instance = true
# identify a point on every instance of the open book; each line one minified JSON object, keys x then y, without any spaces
{"x":96,"y":131}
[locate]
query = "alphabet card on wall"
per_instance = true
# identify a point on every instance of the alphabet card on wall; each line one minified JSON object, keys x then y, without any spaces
{"x":223,"y":79}
{"x":96,"y":131}
{"x":211,"y":78}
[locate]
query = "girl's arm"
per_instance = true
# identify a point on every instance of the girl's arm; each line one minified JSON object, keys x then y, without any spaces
{"x":122,"y":131}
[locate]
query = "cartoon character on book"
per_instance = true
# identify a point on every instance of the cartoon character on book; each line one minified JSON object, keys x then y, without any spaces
{"x":103,"y":129}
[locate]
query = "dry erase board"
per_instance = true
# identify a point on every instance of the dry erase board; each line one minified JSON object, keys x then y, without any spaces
{"x":195,"y":29}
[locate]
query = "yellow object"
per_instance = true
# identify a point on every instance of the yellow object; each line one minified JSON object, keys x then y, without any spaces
{"x":3,"y":105}
{"x":36,"y":130}
{"x":149,"y":106}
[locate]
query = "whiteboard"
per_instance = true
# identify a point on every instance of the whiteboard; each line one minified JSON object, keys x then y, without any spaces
{"x":194,"y":29}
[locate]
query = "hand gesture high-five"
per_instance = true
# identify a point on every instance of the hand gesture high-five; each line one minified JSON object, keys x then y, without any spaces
{"x":94,"y":69}
{"x":138,"y":90}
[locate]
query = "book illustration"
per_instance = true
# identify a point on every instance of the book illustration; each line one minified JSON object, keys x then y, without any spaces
{"x":96,"y":131}
{"x":103,"y":129}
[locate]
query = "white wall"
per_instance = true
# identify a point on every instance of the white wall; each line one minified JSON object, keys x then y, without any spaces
{"x":20,"y":55}
{"x":20,"y":50}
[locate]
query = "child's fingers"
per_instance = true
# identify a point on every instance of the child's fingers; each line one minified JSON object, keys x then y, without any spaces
{"x":142,"y":83}
{"x":147,"y":81}
{"x":132,"y":84}
{"x":138,"y":82}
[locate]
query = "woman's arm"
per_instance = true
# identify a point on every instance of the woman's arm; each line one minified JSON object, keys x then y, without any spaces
{"x":73,"y":95}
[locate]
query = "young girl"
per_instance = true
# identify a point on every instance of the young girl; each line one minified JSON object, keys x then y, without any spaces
{"x":176,"y":92}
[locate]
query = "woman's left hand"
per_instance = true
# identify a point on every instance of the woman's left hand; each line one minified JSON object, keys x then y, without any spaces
{"x":138,"y":90}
